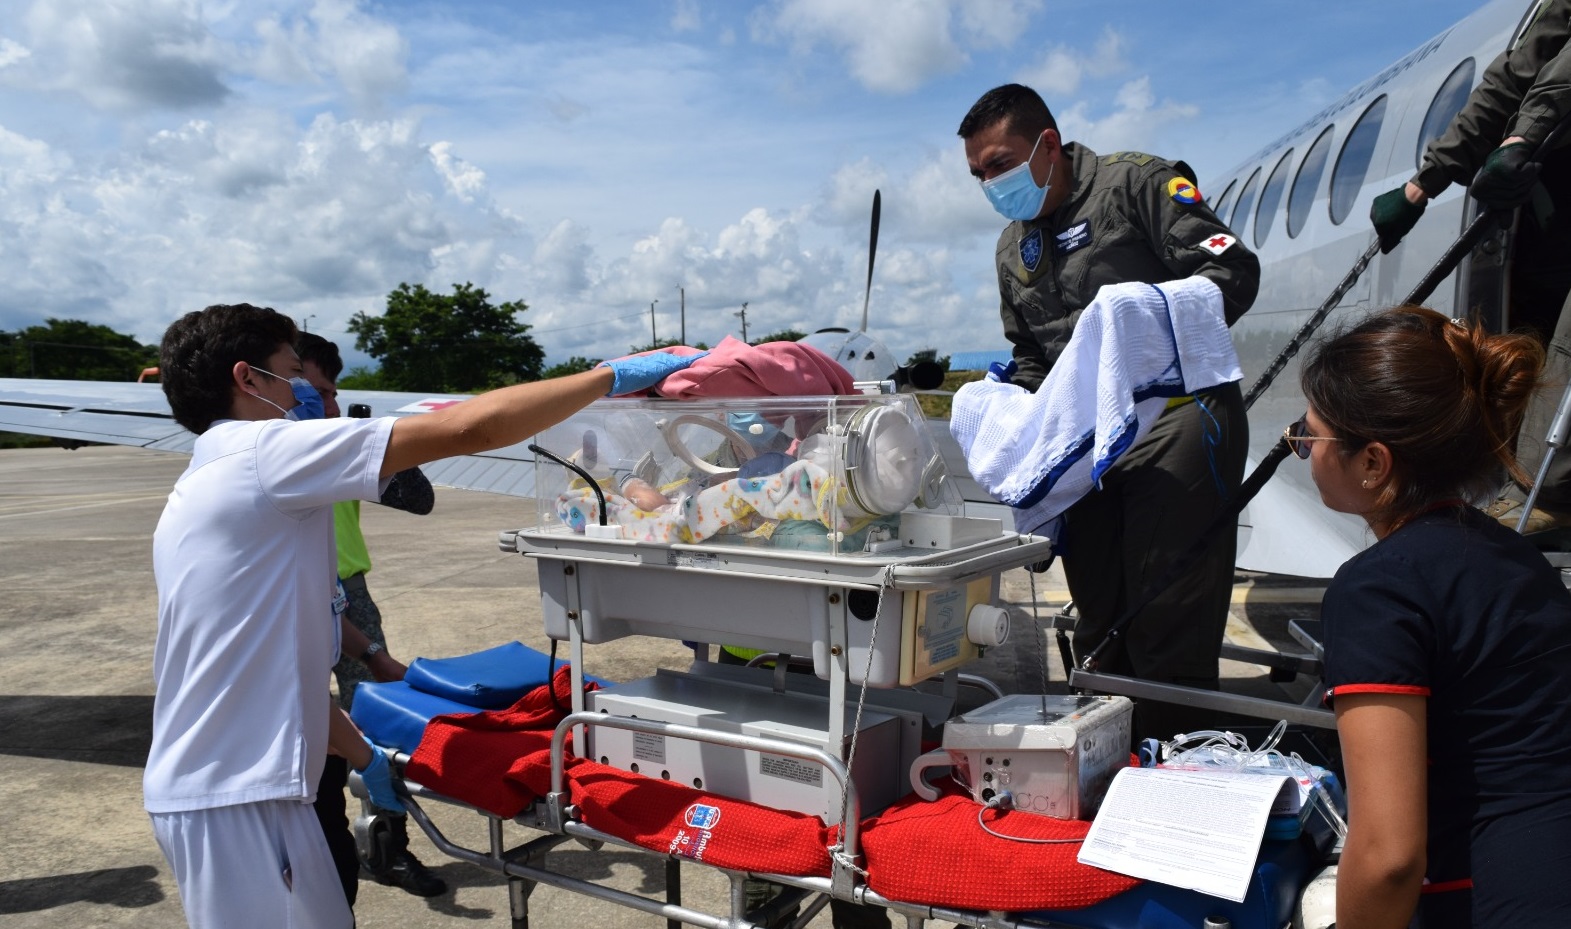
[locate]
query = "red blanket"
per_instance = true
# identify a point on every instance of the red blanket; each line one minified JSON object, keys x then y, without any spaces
{"x":919,"y":852}
{"x":491,"y":760}
{"x":935,"y":853}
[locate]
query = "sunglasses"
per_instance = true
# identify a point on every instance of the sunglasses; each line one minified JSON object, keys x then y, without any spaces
{"x":1298,"y":438}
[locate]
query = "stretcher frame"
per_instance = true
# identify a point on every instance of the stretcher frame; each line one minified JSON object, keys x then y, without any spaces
{"x":554,"y":816}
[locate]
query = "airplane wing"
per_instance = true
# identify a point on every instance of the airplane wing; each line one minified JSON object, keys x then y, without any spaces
{"x":119,"y":413}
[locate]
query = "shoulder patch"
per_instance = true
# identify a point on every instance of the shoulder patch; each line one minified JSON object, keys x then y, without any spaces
{"x":1183,"y":190}
{"x":1216,"y":244}
{"x":1138,"y":159}
{"x":1031,"y":250}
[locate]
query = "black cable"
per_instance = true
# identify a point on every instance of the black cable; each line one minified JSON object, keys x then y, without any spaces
{"x":1229,"y":514}
{"x":593,"y":484}
{"x":550,"y":668}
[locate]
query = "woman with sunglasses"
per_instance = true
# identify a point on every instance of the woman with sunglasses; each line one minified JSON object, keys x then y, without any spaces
{"x":1448,"y":641}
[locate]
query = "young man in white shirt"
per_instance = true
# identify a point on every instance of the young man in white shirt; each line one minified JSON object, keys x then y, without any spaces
{"x":244,"y":560}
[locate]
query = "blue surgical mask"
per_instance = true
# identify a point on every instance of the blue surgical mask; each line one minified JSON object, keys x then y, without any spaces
{"x":308,"y":403}
{"x":1014,"y":193}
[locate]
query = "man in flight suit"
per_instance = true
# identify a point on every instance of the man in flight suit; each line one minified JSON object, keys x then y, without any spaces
{"x":1079,"y":221}
{"x":1524,"y":95}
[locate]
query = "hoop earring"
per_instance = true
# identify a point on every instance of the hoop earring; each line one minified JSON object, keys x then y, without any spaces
{"x":1365,"y":484}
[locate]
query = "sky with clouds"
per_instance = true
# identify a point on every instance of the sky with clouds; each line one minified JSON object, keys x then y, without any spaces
{"x":157,"y":156}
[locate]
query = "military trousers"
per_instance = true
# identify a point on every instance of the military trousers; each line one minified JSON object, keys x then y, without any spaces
{"x":1152,"y":508}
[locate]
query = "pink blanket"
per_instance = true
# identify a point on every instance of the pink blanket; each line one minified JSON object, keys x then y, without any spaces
{"x":774,"y":369}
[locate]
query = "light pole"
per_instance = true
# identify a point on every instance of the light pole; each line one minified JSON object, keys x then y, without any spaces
{"x":305,"y":326}
{"x":683,"y":292}
{"x":743,"y":314}
{"x":653,"y":339}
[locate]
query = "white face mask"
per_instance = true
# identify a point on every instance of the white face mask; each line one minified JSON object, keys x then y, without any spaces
{"x":1014,"y":193}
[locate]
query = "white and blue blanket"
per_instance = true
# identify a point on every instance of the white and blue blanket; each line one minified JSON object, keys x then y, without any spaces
{"x":1135,"y":347}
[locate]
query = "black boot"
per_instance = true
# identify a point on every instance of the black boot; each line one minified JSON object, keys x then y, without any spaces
{"x":396,"y":865}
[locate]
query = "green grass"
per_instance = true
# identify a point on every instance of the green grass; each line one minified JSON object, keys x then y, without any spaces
{"x":22,"y":440}
{"x":936,"y":406}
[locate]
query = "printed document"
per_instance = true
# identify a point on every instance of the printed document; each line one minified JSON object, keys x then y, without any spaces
{"x":1195,"y":829}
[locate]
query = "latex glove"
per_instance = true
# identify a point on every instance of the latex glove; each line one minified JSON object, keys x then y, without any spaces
{"x":638,"y":373}
{"x":1508,"y":176}
{"x":378,"y":779}
{"x":1394,"y":216}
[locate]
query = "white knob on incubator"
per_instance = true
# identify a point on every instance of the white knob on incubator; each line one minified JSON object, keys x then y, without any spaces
{"x":987,"y":626}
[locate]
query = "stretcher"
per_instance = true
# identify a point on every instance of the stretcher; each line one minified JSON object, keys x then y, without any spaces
{"x":895,"y":589}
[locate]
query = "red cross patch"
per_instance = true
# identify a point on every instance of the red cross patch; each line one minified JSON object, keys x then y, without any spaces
{"x":1217,"y":244}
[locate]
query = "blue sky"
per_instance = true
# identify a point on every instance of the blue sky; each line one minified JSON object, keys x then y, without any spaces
{"x":589,"y":158}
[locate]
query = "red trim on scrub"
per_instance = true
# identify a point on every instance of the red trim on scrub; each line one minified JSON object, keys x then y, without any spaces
{"x":1443,"y":887}
{"x":1411,"y":689}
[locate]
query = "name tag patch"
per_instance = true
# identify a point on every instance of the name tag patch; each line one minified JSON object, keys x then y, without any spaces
{"x":1031,"y":250}
{"x":1075,"y":237}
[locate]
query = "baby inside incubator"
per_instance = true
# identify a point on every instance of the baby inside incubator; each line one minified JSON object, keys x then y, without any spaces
{"x":761,"y":486}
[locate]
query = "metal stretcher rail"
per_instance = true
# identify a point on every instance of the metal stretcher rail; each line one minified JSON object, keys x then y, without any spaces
{"x":556,"y":801}
{"x":515,"y":864}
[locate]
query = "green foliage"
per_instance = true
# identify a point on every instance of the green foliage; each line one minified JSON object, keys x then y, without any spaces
{"x":363,"y":378}
{"x":71,"y":349}
{"x":573,"y":365}
{"x":928,"y":354}
{"x":783,"y":335}
{"x":663,"y":343}
{"x":459,"y":343}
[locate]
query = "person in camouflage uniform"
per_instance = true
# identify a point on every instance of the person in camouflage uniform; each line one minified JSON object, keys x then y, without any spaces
{"x":1081,"y":220}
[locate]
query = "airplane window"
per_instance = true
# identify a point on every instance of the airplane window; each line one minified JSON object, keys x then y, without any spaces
{"x":1246,"y":200}
{"x":1447,"y":103}
{"x":1220,"y":206}
{"x":1270,"y":199}
{"x":1347,"y":178}
{"x":1306,"y":183}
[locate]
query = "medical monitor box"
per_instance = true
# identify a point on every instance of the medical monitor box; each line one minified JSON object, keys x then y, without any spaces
{"x":791,"y":474}
{"x":1055,"y":755}
{"x":775,"y":780}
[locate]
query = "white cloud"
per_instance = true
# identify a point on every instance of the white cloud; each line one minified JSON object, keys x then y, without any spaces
{"x":463,"y":179}
{"x":127,"y":55}
{"x":1137,"y":122}
{"x":245,"y":207}
{"x":1062,"y":68}
{"x":332,"y":41}
{"x":685,"y":16}
{"x":896,"y":46}
{"x":11,"y":52}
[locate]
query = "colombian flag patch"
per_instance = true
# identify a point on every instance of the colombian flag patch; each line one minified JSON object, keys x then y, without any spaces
{"x":1183,"y":190}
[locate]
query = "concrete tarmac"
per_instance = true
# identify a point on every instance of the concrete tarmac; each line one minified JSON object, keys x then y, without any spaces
{"x":77,"y":625}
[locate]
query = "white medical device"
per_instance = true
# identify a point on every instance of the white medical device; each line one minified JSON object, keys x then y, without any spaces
{"x":1051,"y":755}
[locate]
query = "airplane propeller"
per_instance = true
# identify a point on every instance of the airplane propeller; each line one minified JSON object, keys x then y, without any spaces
{"x":872,"y":251}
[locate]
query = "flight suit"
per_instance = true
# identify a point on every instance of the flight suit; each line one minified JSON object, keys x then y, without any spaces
{"x":1526,"y":92}
{"x":1135,"y":217}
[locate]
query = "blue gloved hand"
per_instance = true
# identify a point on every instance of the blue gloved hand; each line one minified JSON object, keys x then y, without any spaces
{"x":378,"y":779}
{"x":1002,"y":373}
{"x":638,"y":373}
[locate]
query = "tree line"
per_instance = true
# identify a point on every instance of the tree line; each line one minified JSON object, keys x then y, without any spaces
{"x":424,"y":341}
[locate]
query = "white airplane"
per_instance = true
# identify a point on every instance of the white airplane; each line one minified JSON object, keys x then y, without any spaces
{"x":1302,"y":202}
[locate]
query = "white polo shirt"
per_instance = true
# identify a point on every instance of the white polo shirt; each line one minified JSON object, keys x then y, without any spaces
{"x":245,"y":562}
